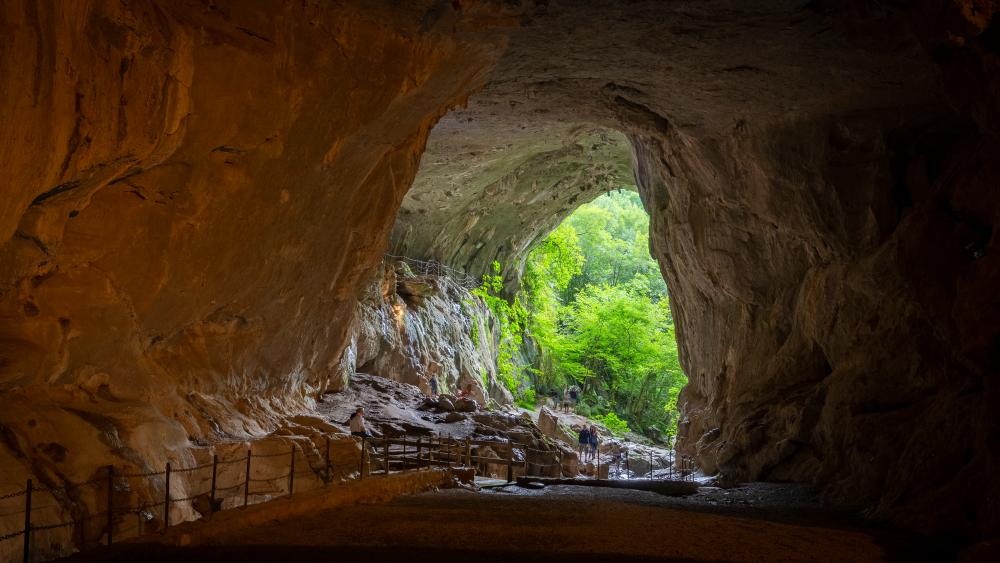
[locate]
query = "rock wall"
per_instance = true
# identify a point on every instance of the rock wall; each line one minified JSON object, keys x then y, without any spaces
{"x":410,"y":327}
{"x":196,"y":195}
{"x":813,"y":305}
{"x":819,"y":183}
{"x":828,"y":278}
{"x":484,"y":194}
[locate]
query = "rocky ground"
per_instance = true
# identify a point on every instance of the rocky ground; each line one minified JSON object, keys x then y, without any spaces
{"x":547,"y":436}
{"x":628,"y":457}
{"x":746,"y":522}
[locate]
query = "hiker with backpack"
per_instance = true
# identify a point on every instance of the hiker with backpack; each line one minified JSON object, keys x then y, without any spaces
{"x":584,"y":441}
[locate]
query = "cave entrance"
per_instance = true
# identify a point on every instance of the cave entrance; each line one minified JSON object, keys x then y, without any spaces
{"x":549,"y":214}
{"x":599,"y":316}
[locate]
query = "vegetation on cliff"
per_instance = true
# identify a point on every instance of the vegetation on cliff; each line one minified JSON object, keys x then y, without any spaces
{"x":596,"y":305}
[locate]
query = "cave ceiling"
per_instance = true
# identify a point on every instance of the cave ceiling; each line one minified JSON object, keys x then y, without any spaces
{"x":545,"y":133}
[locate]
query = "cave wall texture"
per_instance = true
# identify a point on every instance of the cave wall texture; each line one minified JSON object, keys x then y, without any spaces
{"x":197,"y":193}
{"x":819,"y":179}
{"x":411,"y":326}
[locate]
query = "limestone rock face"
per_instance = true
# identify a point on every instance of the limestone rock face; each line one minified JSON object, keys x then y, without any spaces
{"x":197,"y":195}
{"x":412,"y":327}
{"x":819,"y":182}
{"x":484,"y":194}
{"x":194,"y":197}
{"x":831,"y":302}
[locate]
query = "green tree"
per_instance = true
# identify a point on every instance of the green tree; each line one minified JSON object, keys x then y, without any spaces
{"x":597,"y":307}
{"x":511,"y":318}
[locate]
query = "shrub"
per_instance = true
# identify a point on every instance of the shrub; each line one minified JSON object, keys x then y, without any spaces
{"x":526,"y":399}
{"x":611,"y":421}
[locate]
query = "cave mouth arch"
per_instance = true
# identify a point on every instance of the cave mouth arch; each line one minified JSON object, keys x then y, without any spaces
{"x":490,"y":192}
{"x":219,"y":183}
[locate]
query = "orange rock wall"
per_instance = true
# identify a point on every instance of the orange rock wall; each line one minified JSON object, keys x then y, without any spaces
{"x":194,"y":196}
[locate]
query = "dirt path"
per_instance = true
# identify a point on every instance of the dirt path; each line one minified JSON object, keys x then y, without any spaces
{"x":559,"y":523}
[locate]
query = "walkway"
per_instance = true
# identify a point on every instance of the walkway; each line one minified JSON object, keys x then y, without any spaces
{"x":558,"y":523}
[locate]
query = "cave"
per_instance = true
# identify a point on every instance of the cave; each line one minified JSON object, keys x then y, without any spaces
{"x":200,"y":197}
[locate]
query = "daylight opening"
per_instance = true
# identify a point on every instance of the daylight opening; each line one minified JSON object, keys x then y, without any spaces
{"x":594,"y":310}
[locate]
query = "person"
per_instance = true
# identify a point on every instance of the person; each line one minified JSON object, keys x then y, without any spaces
{"x":357,"y":424}
{"x":593,"y":441}
{"x":573,"y":396}
{"x":565,"y":400}
{"x":584,"y":441}
{"x":434,"y":385}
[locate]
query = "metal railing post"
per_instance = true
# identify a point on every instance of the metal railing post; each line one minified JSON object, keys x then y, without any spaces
{"x":386,"y":452}
{"x":510,"y":463}
{"x":597,"y":474}
{"x":246,"y":488}
{"x":627,"y":474}
{"x":560,"y":463}
{"x":111,"y":499}
{"x":404,"y":452}
{"x":650,"y":465}
{"x":27,"y":521}
{"x":166,"y":499}
{"x":468,"y":452}
{"x":420,"y":450}
{"x":291,"y":473}
{"x":364,"y":454}
{"x":215,"y":473}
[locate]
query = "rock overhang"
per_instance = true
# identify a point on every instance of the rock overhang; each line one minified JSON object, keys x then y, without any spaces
{"x":224,"y":216}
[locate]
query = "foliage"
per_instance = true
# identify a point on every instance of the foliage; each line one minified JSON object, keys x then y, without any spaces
{"x":600,"y":314}
{"x":475,"y":333}
{"x":611,"y":421}
{"x":527,"y":399}
{"x":511,"y":319}
{"x":613,"y":233}
{"x":596,"y":304}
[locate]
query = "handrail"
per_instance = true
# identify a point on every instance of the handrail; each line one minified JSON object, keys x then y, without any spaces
{"x":435,"y":450}
{"x":435,"y":268}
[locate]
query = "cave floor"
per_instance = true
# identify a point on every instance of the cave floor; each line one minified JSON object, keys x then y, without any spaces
{"x":557,"y":523}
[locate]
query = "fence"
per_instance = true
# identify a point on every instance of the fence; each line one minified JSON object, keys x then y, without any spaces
{"x":678,"y":467}
{"x":435,"y":268}
{"x":377,"y":456}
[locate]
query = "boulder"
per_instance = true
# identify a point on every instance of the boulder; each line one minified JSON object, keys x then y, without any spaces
{"x":466,"y":404}
{"x":445,"y":403}
{"x":454,"y":417}
{"x":416,"y":287}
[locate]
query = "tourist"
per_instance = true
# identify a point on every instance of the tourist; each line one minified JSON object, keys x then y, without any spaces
{"x":357,"y":424}
{"x":434,"y":385}
{"x":593,"y":441}
{"x":574,"y":396}
{"x":584,"y":441}
{"x":565,"y":400}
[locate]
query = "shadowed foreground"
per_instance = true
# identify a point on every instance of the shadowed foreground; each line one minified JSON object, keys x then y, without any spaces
{"x":555,"y":524}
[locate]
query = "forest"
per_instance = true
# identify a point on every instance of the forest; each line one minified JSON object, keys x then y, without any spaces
{"x":595,"y":307}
